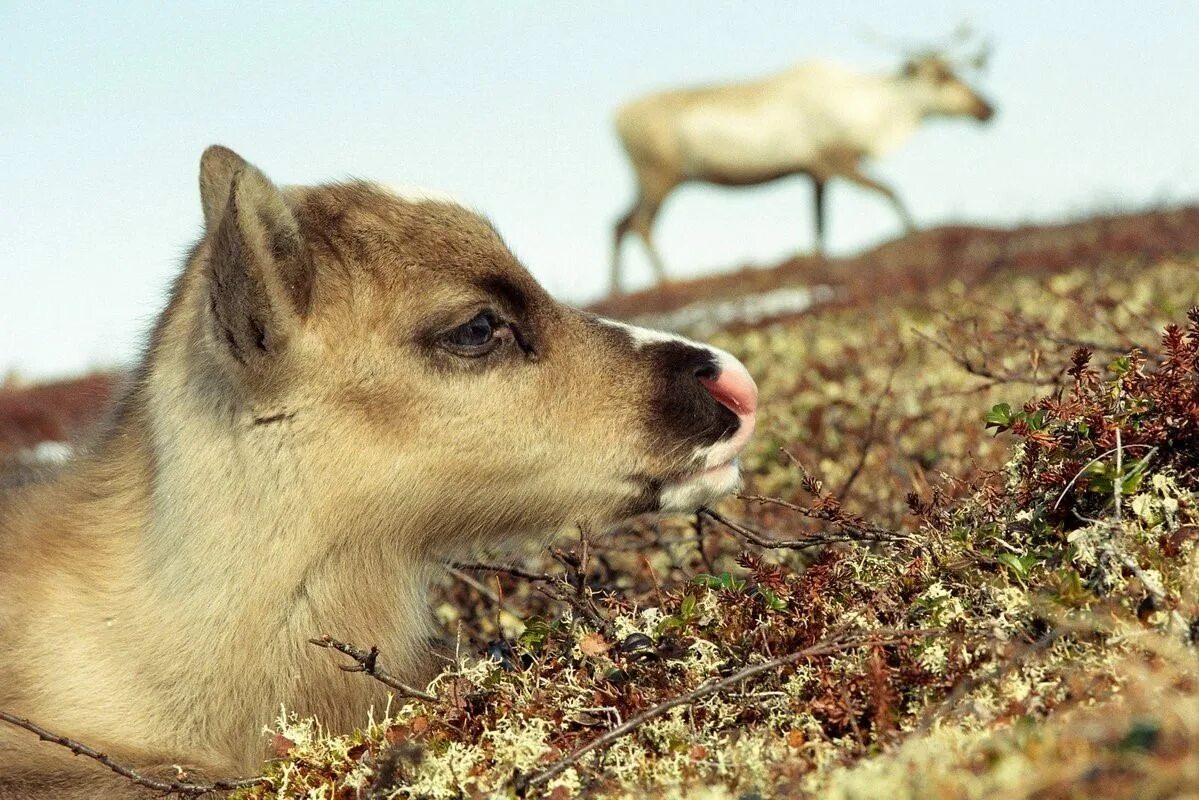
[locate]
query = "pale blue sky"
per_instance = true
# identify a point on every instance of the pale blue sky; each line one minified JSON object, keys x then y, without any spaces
{"x":104,"y":111}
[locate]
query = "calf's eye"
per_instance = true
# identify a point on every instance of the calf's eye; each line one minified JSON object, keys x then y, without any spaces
{"x":478,"y":337}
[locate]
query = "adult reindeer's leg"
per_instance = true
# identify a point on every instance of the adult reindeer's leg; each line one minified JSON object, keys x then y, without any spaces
{"x":644,"y":225}
{"x":652,"y":187}
{"x":818,"y":187}
{"x":864,"y":180}
{"x":655,"y":186}
{"x":641,"y":220}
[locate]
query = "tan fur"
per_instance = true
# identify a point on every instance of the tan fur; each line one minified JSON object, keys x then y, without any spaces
{"x":293,"y":457}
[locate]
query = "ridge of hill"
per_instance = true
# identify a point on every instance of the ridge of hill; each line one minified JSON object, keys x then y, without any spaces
{"x":899,"y":268}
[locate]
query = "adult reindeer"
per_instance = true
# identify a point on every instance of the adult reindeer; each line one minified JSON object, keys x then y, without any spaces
{"x":819,"y":118}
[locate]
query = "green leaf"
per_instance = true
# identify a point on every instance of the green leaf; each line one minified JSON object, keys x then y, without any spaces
{"x":1070,"y":589}
{"x":1102,"y":477}
{"x":724,"y":581}
{"x":1134,"y":473}
{"x":1036,"y":420}
{"x":682,"y":619}
{"x":1019,"y":565}
{"x":1143,"y":735}
{"x":773,"y":601}
{"x":1000,"y":416}
{"x":536,"y":631}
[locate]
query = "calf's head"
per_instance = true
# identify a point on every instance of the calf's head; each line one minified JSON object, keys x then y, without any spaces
{"x":400,"y":352}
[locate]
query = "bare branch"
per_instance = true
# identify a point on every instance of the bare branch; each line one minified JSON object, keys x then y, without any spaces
{"x":555,"y":587}
{"x":853,"y":528}
{"x":983,"y":370}
{"x":576,"y":578}
{"x":848,"y":532}
{"x":871,"y":437}
{"x":831,"y":645}
{"x":169,"y":787}
{"x":482,"y":589}
{"x":368,"y":663}
{"x":503,"y":569}
{"x":753,"y":537}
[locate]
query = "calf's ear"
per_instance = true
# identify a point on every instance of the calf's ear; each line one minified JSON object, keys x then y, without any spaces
{"x":259,"y":277}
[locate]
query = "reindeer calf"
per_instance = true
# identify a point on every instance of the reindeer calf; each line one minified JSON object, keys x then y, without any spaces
{"x":345,"y":388}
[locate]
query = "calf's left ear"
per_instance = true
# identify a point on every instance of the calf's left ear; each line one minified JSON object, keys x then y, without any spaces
{"x":259,"y":276}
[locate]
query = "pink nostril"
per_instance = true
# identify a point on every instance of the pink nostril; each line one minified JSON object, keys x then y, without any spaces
{"x":733,"y":387}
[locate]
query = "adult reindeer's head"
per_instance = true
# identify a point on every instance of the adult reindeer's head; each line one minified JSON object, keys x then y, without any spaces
{"x":935,"y":71}
{"x":396,"y":358}
{"x":935,"y":76}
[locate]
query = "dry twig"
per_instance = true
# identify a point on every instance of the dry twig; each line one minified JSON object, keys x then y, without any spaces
{"x":980,"y":369}
{"x":871,"y":437}
{"x":504,"y":569}
{"x":848,"y":534}
{"x":368,"y":663}
{"x":168,"y":787}
{"x":569,"y":590}
{"x":500,"y":604}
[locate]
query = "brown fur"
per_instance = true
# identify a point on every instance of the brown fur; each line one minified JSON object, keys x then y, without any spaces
{"x":297,"y":450}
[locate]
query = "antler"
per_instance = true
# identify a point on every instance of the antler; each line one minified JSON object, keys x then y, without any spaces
{"x":961,"y":37}
{"x":982,"y":57}
{"x":957,"y":40}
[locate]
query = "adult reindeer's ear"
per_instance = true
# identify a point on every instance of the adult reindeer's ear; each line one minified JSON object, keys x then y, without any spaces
{"x":259,"y":280}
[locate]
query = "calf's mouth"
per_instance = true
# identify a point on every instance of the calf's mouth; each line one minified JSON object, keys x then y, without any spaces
{"x":715,"y":468}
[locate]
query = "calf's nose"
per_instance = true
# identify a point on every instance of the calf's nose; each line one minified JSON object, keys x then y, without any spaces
{"x":732,"y":386}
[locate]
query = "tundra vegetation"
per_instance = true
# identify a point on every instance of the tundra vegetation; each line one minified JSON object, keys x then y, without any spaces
{"x":962,"y":566}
